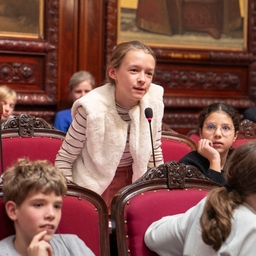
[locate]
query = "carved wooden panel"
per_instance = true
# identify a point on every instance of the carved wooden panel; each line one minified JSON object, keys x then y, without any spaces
{"x":30,"y":65}
{"x":22,"y":71}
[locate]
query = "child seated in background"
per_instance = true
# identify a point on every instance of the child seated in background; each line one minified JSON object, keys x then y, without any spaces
{"x":218,"y":129}
{"x":33,"y":192}
{"x":8,"y":99}
{"x":80,"y":84}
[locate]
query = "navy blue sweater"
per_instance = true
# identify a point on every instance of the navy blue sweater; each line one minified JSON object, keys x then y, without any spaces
{"x":203,"y":164}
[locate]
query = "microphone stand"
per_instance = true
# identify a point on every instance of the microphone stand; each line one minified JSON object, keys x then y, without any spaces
{"x":149,"y":116}
{"x":153,"y":153}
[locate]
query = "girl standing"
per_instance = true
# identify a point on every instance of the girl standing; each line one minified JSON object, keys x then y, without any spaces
{"x":108,"y":144}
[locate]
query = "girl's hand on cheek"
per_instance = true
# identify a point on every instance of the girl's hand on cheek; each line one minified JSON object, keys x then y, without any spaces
{"x":39,"y":247}
{"x":205,"y":148}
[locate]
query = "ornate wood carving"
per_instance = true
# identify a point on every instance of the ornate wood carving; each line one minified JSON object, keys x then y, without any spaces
{"x":21,"y":62}
{"x":111,"y":26}
{"x":247,"y":130}
{"x":45,"y":114}
{"x":26,"y":124}
{"x":176,"y":174}
{"x":17,"y":72}
{"x":204,"y":80}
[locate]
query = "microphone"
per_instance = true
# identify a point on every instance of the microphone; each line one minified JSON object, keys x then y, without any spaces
{"x":149,"y":116}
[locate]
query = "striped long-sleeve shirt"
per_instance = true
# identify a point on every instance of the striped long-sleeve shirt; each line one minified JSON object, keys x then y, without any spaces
{"x":99,"y":141}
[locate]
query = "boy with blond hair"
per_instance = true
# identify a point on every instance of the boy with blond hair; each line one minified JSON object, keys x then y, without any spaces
{"x":8,"y":99}
{"x":33,"y":194}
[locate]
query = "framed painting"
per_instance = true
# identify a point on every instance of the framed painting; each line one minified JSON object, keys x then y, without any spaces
{"x":21,"y":18}
{"x":204,"y":24}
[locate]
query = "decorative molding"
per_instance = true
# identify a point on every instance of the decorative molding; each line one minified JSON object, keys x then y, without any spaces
{"x":17,"y":72}
{"x":181,"y":120}
{"x":21,"y":72}
{"x":198,"y":80}
{"x":48,"y":116}
{"x":111,"y":30}
{"x":26,"y":124}
{"x":171,"y":54}
{"x":51,"y":66}
{"x":196,"y":102}
{"x":175,"y":173}
{"x":18,"y":45}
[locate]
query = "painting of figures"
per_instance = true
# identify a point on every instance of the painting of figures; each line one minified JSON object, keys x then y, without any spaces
{"x":185,"y":23}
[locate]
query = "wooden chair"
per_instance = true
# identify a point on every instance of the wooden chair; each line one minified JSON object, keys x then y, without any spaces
{"x":29,"y":136}
{"x":84,"y":213}
{"x":169,"y":189}
{"x":247,"y":132}
{"x":175,"y":145}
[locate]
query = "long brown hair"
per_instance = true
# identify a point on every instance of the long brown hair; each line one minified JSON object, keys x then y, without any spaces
{"x":241,"y":182}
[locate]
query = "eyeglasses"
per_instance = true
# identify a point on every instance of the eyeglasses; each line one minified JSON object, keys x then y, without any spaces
{"x":226,"y":129}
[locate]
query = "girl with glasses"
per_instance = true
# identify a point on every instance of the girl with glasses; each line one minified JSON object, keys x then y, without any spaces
{"x":218,"y":129}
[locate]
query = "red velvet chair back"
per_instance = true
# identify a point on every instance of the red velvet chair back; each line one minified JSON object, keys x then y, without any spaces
{"x":175,"y":146}
{"x":84,"y":213}
{"x":194,"y":135}
{"x":170,"y":189}
{"x":27,"y":136}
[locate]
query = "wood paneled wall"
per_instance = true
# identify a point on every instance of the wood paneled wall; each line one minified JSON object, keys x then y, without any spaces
{"x":80,"y":34}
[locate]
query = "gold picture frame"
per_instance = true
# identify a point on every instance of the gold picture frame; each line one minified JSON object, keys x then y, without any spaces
{"x":152,"y":23}
{"x":21,"y":18}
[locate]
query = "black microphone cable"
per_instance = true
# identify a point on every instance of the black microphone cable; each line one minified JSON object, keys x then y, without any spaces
{"x":149,"y":116}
